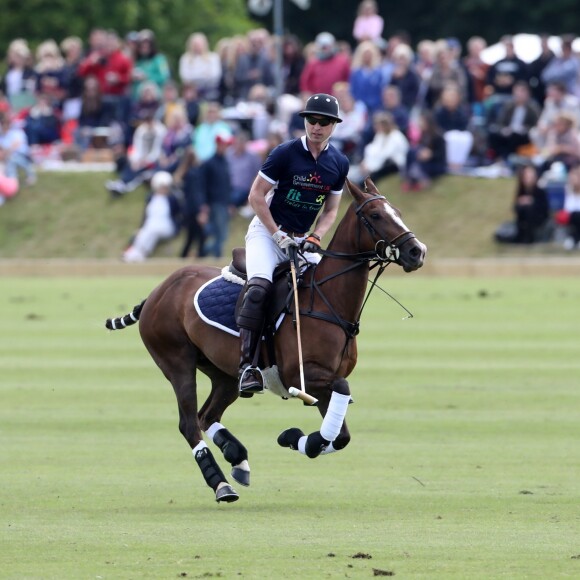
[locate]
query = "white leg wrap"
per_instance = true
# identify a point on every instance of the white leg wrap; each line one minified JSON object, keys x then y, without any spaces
{"x":213,"y":429}
{"x":328,"y":449}
{"x":302,"y":444}
{"x":198,"y":447}
{"x":334,"y":418}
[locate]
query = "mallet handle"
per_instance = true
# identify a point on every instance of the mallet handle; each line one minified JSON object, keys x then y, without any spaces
{"x":302,"y":393}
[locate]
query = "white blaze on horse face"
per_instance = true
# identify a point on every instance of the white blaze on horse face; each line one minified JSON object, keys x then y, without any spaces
{"x":396,"y":218}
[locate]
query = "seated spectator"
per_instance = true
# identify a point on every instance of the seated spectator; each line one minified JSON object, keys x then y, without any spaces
{"x":391,"y":103}
{"x":42,"y":122}
{"x":404,"y":76}
{"x":200,"y":67}
{"x":426,"y":160}
{"x":255,"y":113}
{"x":368,"y":24}
{"x":95,"y":113}
{"x":424,"y":63}
{"x":216,"y":187}
{"x":452,"y":118}
{"x":476,"y":68}
{"x":176,"y":142}
{"x":160,"y":222}
{"x":243,"y":167}
{"x":515,"y":119}
{"x":15,"y":151}
{"x":204,"y":138}
{"x":142,"y":156}
{"x":72,"y":48}
{"x":170,"y":101}
{"x":348,"y":135}
{"x":386,"y":153}
{"x":146,"y":105}
{"x":562,"y":142}
{"x":557,"y":101}
{"x":537,"y":66}
{"x":569,"y":216}
{"x":327,"y":67}
{"x":366,"y":76}
{"x":531,"y":208}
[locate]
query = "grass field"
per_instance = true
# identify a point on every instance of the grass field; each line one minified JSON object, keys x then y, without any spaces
{"x":464,"y":461}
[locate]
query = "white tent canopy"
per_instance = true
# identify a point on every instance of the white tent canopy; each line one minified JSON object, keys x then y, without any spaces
{"x":526,"y":46}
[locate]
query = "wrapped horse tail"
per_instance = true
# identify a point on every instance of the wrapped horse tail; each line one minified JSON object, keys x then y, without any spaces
{"x":127,"y":320}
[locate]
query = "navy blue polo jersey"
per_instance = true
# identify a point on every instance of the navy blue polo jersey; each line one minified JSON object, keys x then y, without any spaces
{"x":302,"y":183}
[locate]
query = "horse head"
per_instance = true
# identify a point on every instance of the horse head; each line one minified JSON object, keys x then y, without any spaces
{"x":383,"y":229}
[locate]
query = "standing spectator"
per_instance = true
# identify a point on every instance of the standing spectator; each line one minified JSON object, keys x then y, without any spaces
{"x":161,"y":220}
{"x":404,"y":75}
{"x":201,"y":67}
{"x":387,"y":152}
{"x":170,"y":102}
{"x":230,"y":50}
{"x":191,"y":102}
{"x":95,"y":113}
{"x":564,"y":69}
{"x":216,"y":186}
{"x":292,"y":64}
{"x":111,"y":67}
{"x":151,"y":65}
{"x":254,"y":66}
{"x":368,"y":24}
{"x":72,"y":48}
{"x":204,"y":138}
{"x":446,"y":70}
{"x":505,"y":73}
{"x":569,"y":216}
{"x":424,"y":63}
{"x":557,"y":101}
{"x":50,"y":72}
{"x":176,"y":142}
{"x":476,"y":68}
{"x":516,"y":118}
{"x":427,"y":159}
{"x":536,"y":67}
{"x":348,"y":135}
{"x":243,"y":165}
{"x":366,"y":76}
{"x":15,"y":151}
{"x":19,"y":82}
{"x":531,"y":206}
{"x":326,"y":68}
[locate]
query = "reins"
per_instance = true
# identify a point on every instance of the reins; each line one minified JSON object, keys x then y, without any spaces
{"x":385,"y":253}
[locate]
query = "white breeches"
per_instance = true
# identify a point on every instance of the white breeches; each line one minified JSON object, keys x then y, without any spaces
{"x":263,"y":254}
{"x":150,"y":235}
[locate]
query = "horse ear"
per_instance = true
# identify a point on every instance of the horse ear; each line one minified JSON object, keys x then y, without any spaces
{"x":354,"y":191}
{"x":370,"y":186}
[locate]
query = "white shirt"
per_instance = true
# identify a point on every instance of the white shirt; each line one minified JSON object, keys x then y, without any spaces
{"x":393,"y":146}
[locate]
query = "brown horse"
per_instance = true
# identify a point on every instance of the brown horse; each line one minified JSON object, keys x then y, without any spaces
{"x":331,"y":298}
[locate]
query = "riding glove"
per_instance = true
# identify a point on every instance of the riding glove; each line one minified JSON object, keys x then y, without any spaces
{"x":284,"y":242}
{"x":311,"y":243}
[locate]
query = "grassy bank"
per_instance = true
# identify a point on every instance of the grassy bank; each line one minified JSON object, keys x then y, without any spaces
{"x":70,"y":215}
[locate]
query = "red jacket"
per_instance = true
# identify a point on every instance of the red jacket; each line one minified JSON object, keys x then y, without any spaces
{"x":319,"y":76}
{"x":113,"y":71}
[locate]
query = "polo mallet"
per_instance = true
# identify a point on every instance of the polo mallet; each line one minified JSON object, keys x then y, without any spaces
{"x":301,"y":394}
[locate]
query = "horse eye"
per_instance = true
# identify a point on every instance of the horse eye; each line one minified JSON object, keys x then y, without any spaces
{"x":375,"y":216}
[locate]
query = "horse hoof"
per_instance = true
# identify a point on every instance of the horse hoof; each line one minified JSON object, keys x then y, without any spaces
{"x":290,"y":437}
{"x":226,"y":493}
{"x":242,"y":476}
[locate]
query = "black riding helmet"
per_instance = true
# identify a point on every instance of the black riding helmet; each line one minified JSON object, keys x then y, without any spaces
{"x":322,"y":104}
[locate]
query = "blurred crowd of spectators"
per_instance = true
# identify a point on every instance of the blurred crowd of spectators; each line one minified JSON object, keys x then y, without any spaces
{"x":209,"y":119}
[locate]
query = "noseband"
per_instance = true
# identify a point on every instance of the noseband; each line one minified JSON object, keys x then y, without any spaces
{"x":385,"y":250}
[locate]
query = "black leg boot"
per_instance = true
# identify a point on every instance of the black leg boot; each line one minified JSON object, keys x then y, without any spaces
{"x":250,"y":377}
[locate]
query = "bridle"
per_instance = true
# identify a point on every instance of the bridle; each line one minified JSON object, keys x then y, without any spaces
{"x":385,"y":252}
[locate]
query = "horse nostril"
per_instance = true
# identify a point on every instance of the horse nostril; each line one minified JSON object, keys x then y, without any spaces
{"x":415,"y":253}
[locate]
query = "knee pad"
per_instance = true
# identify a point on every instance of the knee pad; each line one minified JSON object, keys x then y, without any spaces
{"x":253,"y":306}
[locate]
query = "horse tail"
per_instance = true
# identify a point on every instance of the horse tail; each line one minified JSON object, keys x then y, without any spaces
{"x":127,"y":320}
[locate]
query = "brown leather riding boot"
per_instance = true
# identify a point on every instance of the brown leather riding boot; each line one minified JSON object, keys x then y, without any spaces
{"x":250,"y":377}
